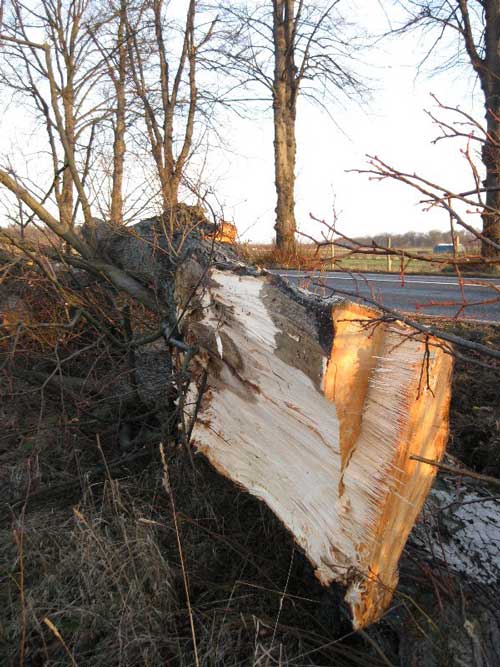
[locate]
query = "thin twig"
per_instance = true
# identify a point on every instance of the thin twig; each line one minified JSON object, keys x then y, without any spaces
{"x":458,"y":471}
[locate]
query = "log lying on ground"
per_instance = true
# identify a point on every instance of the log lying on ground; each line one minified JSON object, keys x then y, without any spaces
{"x":314,"y":406}
{"x":451,"y":569}
{"x":316,"y":409}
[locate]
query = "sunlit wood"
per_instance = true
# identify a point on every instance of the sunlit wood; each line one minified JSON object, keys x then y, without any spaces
{"x":324,"y":439}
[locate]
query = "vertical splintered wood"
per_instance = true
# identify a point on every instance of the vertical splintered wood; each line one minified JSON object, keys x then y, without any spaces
{"x":322,"y":432}
{"x":392,"y":393}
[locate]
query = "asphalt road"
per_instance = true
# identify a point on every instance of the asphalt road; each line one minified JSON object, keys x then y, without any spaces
{"x":431,"y":295}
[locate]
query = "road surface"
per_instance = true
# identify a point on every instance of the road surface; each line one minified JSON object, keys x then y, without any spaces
{"x":430,"y":295}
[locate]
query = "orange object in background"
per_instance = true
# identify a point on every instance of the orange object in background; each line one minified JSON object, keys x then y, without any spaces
{"x":226,"y":232}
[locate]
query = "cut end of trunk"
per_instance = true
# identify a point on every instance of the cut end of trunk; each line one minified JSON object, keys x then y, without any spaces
{"x":391,"y":389}
{"x":322,"y":433}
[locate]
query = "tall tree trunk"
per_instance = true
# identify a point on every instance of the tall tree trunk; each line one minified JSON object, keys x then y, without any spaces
{"x":170,"y":184}
{"x":284,"y":108}
{"x":491,"y":159}
{"x":488,"y":69}
{"x":119,"y":146}
{"x":170,"y":191}
{"x":284,"y":161}
{"x":66,"y":201}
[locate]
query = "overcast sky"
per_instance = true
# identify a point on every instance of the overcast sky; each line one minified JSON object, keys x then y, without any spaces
{"x":392,"y":125}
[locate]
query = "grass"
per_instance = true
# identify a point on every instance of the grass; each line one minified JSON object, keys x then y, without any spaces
{"x":475,"y":405}
{"x":307,"y":258}
{"x":108,"y":577}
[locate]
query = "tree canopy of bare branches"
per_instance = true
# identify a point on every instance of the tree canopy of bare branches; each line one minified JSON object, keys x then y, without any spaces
{"x":166,"y":87}
{"x":475,"y":24}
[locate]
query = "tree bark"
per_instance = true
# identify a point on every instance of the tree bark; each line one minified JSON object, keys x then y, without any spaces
{"x":489,"y":76}
{"x":284,"y":109}
{"x":66,"y":201}
{"x":491,"y":159}
{"x":487,"y":67}
{"x":119,"y":146}
{"x":284,"y":156}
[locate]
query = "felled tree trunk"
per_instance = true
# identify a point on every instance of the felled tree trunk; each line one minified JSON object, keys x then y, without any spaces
{"x":315,"y":407}
{"x":454,"y":551}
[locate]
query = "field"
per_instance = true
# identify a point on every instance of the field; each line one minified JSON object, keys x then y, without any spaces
{"x":308,"y":257}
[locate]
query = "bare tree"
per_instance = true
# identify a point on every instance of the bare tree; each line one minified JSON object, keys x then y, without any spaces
{"x":112,"y":46}
{"x":475,"y":24}
{"x":68,"y":62}
{"x":167,"y":92}
{"x":58,"y":78}
{"x":289,"y":47}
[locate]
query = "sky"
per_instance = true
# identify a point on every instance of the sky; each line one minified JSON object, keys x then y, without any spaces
{"x":392,"y":124}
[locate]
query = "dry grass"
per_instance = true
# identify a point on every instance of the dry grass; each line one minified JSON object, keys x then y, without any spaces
{"x":307,"y":257}
{"x":108,"y":577}
{"x":475,"y":405}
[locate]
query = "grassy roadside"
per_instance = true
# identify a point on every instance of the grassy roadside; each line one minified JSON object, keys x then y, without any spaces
{"x":308,"y":258}
{"x":475,"y":404}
